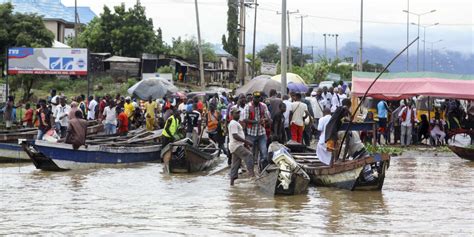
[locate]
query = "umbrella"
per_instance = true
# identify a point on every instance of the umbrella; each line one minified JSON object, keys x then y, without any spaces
{"x":297,"y":87}
{"x":262,"y":76}
{"x":260,"y":84}
{"x":290,"y":77}
{"x":157,"y":88}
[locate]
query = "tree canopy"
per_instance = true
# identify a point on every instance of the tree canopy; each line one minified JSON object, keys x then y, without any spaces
{"x":270,"y":54}
{"x":188,"y":49}
{"x":122,"y":32}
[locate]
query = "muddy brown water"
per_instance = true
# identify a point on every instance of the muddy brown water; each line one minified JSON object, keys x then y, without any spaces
{"x":424,"y":193}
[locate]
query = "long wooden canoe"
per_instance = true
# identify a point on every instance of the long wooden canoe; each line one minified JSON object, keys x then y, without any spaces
{"x":183,"y":157}
{"x":463,"y":152}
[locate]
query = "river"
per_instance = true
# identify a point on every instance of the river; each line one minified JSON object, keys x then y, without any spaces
{"x":424,"y":193}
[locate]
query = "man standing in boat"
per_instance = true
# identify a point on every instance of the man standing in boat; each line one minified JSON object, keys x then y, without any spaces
{"x":170,"y":131}
{"x":150,"y":111}
{"x":237,"y":146}
{"x":255,"y":116}
{"x":76,"y":131}
{"x":61,"y":117}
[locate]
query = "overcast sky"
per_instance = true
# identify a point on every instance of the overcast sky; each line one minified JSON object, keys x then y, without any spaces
{"x":384,"y":21}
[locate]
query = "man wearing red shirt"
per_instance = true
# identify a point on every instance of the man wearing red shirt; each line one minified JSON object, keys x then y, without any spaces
{"x":28,"y":119}
{"x":122,"y":122}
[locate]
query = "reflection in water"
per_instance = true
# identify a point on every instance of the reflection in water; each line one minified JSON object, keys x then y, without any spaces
{"x":423,"y":193}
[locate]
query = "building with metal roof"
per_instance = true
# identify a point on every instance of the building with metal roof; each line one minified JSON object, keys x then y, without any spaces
{"x":57,"y":17}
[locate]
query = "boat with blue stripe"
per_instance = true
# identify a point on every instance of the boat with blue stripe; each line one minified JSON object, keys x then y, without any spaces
{"x":60,"y":156}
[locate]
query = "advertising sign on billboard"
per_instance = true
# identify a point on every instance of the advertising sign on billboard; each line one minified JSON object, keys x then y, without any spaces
{"x":47,"y":61}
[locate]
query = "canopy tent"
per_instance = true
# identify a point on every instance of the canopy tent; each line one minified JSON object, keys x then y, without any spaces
{"x":396,"y":86}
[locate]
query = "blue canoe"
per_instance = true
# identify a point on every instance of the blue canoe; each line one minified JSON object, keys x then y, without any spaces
{"x":60,"y":156}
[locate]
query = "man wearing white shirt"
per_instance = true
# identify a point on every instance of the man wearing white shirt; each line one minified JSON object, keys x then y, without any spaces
{"x":321,"y":150}
{"x":287,"y":102}
{"x":61,"y":117}
{"x":407,"y":117}
{"x":91,"y":108}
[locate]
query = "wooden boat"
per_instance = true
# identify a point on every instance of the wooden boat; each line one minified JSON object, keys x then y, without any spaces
{"x":463,"y":152}
{"x":285,"y":177}
{"x":361,"y":174}
{"x":12,"y":151}
{"x":60,"y":156}
{"x":183,"y":157}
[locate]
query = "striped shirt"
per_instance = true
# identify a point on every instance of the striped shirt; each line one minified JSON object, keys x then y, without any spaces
{"x":255,"y":129}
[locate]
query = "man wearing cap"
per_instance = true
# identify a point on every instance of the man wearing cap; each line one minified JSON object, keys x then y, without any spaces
{"x":237,"y":147}
{"x":255,"y":116}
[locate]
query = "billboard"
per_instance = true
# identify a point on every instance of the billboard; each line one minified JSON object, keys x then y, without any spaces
{"x":47,"y":61}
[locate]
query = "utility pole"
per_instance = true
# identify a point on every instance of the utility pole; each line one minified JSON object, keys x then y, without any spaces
{"x":254,"y":73}
{"x":241,"y":68}
{"x":337,"y":50}
{"x":290,"y":61}
{"x":312,"y":54}
{"x":361,"y":67}
{"x":76,"y":30}
{"x":201,"y":61}
{"x":283,"y":48}
{"x":325,"y":48}
{"x":301,"y":47}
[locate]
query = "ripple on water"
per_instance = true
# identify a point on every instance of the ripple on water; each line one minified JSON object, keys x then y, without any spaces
{"x":423,"y":193}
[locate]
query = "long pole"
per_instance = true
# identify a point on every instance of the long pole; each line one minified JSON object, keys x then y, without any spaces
{"x":254,"y":73}
{"x":241,"y":69}
{"x":408,"y":34}
{"x":201,"y":61}
{"x":363,"y":98}
{"x":432,"y":56}
{"x":283,"y":48}
{"x":337,"y":50}
{"x":325,"y":47}
{"x":361,"y":67}
{"x":312,"y":54}
{"x":418,"y":48}
{"x":6,"y":76}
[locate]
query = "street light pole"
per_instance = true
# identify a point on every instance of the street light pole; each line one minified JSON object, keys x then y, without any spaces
{"x":361,"y":67}
{"x":241,"y":68}
{"x":408,"y":34}
{"x":283,"y":63}
{"x":418,"y":43}
{"x":337,"y":50}
{"x":301,"y":46}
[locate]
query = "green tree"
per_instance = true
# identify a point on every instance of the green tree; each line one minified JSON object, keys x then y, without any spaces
{"x":122,"y":32}
{"x":22,"y":30}
{"x":296,"y":56}
{"x":258,"y":63}
{"x":270,"y":54}
{"x":188,"y":49}
{"x":231,"y":44}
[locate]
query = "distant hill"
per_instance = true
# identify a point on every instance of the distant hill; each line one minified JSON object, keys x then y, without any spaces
{"x":443,"y":61}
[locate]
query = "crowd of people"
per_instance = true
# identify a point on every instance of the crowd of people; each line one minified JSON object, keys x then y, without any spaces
{"x":242,"y":125}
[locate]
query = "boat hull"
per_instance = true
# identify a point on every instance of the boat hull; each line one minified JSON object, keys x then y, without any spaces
{"x":268,"y":182}
{"x":57,"y":157}
{"x":463,"y":152}
{"x":184,"y":158}
{"x":11,"y":152}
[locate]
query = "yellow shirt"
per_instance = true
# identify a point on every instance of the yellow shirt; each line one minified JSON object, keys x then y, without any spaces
{"x":150,"y":108}
{"x":128,"y":109}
